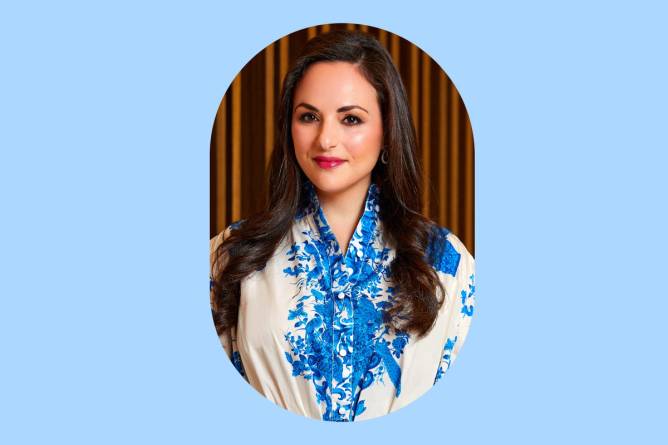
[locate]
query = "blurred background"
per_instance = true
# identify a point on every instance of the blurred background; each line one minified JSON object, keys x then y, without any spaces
{"x":244,"y":129}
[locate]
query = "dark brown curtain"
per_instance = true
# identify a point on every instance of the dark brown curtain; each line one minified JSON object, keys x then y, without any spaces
{"x":244,"y":128}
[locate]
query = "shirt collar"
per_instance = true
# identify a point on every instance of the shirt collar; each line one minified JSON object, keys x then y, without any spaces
{"x":366,"y":227}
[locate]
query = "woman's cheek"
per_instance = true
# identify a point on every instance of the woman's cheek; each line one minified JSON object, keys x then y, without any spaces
{"x":298,"y":140}
{"x":355,"y":143}
{"x":363,"y":144}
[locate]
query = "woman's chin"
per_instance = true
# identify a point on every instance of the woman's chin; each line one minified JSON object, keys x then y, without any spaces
{"x":329,"y":185}
{"x":333,"y":186}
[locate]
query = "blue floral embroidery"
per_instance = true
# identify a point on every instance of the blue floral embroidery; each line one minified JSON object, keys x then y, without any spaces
{"x":236,"y":361}
{"x":445,"y":361}
{"x":467,"y":298}
{"x":441,"y":253}
{"x":338,"y":339}
{"x":235,"y":225}
{"x":467,"y":311}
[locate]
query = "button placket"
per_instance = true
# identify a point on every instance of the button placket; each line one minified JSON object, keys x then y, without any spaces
{"x":343,"y":322}
{"x":344,"y":271}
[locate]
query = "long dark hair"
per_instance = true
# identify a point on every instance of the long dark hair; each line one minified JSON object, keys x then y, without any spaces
{"x":251,"y":244}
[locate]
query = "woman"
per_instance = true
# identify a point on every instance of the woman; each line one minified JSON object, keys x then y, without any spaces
{"x":340,"y":301}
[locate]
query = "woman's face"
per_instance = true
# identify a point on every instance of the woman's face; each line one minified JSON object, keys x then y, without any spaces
{"x":337,"y":127}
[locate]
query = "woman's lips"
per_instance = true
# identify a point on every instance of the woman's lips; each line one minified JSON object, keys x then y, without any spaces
{"x":327,"y":162}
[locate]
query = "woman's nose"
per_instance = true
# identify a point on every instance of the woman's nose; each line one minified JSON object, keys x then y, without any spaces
{"x":328,"y":136}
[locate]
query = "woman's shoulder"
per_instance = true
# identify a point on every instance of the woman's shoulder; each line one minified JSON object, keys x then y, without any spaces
{"x":446,"y":252}
{"x":218,"y":239}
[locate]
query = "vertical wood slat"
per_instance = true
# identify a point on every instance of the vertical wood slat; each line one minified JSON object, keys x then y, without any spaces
{"x":415,"y":83}
{"x":469,"y":190}
{"x":455,"y":166}
{"x":426,"y":133}
{"x":284,"y":53}
{"x":394,"y":50}
{"x":442,"y":146}
{"x":269,"y":103}
{"x":236,"y":148}
{"x":221,"y":166}
{"x":382,"y":37}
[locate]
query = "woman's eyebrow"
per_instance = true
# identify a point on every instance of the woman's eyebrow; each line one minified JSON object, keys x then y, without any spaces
{"x":340,"y":110}
{"x":350,"y":107}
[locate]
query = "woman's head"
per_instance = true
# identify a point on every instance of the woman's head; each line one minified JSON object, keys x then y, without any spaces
{"x":335,"y":71}
{"x":336,"y":127}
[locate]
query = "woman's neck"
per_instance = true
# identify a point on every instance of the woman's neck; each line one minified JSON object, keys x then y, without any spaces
{"x":344,"y":209}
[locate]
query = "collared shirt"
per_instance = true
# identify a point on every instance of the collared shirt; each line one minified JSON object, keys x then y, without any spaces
{"x":310,"y":334}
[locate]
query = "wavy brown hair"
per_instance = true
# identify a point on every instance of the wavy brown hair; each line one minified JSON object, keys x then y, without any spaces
{"x":249,"y":246}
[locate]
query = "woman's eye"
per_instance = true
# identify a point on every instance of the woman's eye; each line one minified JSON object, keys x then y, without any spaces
{"x":352,"y":120}
{"x":307,"y":117}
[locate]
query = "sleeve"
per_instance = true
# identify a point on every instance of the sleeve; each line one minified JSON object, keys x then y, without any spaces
{"x":464,"y":304}
{"x":228,"y":336}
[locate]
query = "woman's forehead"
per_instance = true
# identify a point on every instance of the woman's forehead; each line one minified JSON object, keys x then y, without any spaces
{"x":334,"y":84}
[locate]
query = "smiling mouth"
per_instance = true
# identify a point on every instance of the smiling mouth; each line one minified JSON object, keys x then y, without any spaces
{"x":328,"y":163}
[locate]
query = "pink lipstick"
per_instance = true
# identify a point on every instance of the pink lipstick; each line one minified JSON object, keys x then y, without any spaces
{"x":328,"y":161}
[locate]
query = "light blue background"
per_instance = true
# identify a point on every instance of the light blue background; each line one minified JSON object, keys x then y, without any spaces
{"x":104,"y":176}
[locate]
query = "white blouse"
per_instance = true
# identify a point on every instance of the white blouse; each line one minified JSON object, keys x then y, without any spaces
{"x":310,"y":335}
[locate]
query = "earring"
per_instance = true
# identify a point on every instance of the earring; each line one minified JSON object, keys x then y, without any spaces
{"x":383,"y":156}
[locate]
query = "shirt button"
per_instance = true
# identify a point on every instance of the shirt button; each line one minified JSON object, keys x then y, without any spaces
{"x":342,"y":352}
{"x":360,"y":254}
{"x":341,"y":295}
{"x":342,"y":410}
